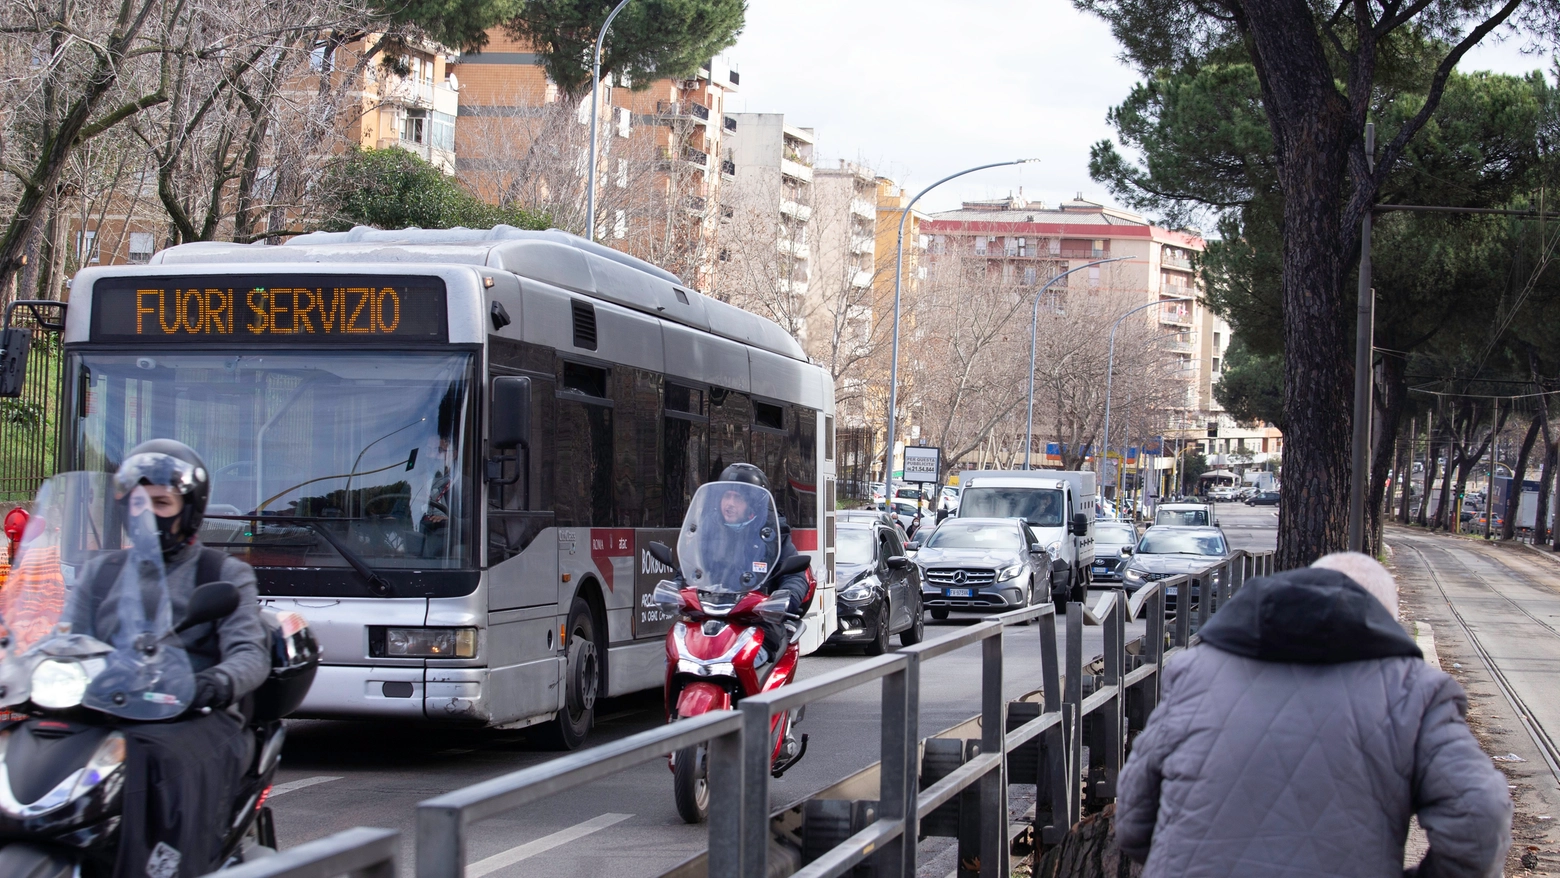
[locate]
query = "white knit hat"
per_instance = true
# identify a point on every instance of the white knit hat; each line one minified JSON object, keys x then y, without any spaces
{"x":1366,"y":571}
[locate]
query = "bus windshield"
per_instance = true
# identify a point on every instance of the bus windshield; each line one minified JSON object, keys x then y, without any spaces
{"x":308,"y":450}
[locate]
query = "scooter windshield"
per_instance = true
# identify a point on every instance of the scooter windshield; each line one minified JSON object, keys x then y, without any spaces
{"x":86,"y":612}
{"x":730,"y":538}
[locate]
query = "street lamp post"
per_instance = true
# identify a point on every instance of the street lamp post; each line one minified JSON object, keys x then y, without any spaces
{"x":1110,"y":364}
{"x":1034,"y":325}
{"x":595,"y":90}
{"x":899,"y":271}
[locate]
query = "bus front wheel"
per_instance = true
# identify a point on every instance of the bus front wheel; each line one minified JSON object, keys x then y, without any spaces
{"x":581,"y":680}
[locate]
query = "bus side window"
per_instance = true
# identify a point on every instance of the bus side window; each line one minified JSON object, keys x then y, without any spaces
{"x":685,"y":451}
{"x":637,"y":470}
{"x":731,"y":418}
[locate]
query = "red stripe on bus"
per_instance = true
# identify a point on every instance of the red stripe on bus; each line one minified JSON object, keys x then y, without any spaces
{"x":805,"y":540}
{"x":607,"y":543}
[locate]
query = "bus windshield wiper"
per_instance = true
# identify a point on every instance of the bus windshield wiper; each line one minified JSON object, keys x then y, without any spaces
{"x":376,"y":583}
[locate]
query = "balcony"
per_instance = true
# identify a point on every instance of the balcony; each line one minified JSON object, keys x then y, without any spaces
{"x":695,"y":157}
{"x":800,"y":212}
{"x":683,"y":110}
{"x":1175,"y":261}
{"x":1175,"y":314}
{"x":730,"y":124}
{"x":728,"y":167}
{"x":863,"y":210}
{"x":862,"y":245}
{"x":796,"y":170}
{"x":795,"y":248}
{"x":696,"y":205}
{"x":1081,"y":253}
{"x":861,"y":279}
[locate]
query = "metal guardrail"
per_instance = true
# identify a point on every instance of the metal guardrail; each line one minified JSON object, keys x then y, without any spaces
{"x":1078,"y":707}
{"x":442,"y":822}
{"x":359,"y":852}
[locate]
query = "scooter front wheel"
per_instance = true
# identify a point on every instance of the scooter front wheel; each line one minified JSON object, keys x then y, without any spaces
{"x":690,"y":784}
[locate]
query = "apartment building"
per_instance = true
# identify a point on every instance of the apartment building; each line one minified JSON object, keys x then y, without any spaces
{"x":658,"y":147}
{"x":410,"y":101}
{"x":1028,"y":243}
{"x":843,"y":264}
{"x":773,"y":163}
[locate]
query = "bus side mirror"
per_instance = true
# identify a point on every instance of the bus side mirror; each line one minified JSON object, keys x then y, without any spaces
{"x":15,"y":342}
{"x":510,"y":424}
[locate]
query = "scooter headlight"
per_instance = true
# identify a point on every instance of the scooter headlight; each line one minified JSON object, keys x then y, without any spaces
{"x":109,"y":757}
{"x":57,"y":685}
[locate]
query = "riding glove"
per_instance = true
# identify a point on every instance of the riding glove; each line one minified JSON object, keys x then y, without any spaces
{"x":212,"y":689}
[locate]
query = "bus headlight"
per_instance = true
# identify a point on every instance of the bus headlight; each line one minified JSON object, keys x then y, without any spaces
{"x":431,"y":642}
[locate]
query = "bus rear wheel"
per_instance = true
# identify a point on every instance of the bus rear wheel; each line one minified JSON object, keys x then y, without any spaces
{"x":581,"y":680}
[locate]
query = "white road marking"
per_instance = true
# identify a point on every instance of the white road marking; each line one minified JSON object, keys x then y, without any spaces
{"x":542,"y":845}
{"x":299,"y":784}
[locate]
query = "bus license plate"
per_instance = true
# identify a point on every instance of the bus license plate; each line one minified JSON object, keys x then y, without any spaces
{"x":959,"y":592}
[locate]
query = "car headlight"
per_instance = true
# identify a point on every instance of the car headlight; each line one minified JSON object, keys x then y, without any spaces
{"x":856,"y":592}
{"x":58,"y":685}
{"x":1053,"y":548}
{"x":1010,"y":572}
{"x":1133,"y":575}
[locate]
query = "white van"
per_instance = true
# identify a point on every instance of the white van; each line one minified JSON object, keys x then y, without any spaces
{"x":1058,"y":505}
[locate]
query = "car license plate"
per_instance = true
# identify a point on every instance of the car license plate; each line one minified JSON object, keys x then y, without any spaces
{"x":959,"y":592}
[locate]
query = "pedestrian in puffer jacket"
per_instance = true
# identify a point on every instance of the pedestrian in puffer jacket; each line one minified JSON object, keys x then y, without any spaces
{"x":1298,"y":738}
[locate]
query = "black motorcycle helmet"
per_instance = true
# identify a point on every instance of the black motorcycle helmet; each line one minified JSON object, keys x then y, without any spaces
{"x":175,"y":465}
{"x":744,"y":472}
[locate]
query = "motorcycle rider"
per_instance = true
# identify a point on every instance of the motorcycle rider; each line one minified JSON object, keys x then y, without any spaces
{"x":180,"y":775}
{"x":738,"y":521}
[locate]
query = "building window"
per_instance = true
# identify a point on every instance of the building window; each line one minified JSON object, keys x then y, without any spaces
{"x":1099,"y":248}
{"x":317,"y":56}
{"x":1216,"y":365}
{"x":141,"y":247}
{"x":444,"y":132}
{"x":87,"y":248}
{"x":937,"y":244}
{"x":980,"y":245}
{"x":1216,"y":347}
{"x":414,"y":129}
{"x":1029,"y":275}
{"x":1054,"y":245}
{"x":620,"y":225}
{"x":1010,"y":246}
{"x":1023,"y":247}
{"x":622,"y":174}
{"x":1094,"y":276}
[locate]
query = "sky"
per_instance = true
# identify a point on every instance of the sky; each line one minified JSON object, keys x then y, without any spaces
{"x":918,"y":89}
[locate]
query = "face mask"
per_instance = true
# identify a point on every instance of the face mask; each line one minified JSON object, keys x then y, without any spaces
{"x":170,"y":541}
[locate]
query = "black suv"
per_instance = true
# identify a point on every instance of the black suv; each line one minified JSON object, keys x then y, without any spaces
{"x":878,"y":591}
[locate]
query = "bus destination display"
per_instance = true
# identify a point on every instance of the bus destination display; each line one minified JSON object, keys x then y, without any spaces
{"x":238,"y":308}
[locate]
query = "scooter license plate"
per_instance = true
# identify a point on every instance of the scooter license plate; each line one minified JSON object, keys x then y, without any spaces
{"x":959,"y":592}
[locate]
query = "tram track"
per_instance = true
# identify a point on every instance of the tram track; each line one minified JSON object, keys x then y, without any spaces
{"x":1546,"y":744}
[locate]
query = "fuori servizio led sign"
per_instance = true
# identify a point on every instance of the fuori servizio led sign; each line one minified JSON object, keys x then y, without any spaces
{"x":269,"y":308}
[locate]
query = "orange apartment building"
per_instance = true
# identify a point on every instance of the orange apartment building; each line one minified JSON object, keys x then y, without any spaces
{"x":416,"y":111}
{"x":659,"y":152}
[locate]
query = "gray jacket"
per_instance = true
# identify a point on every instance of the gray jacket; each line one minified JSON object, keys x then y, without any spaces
{"x":235,"y":646}
{"x":1299,"y":738}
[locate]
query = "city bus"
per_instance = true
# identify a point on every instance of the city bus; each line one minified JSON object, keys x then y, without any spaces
{"x":450,"y":450}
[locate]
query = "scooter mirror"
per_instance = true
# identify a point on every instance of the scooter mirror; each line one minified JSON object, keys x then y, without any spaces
{"x":663,"y":553}
{"x":667,"y":594}
{"x":209,"y":603}
{"x":793,"y":564}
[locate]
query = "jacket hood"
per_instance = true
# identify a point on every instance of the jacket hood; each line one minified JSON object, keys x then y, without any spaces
{"x":1307,"y":616}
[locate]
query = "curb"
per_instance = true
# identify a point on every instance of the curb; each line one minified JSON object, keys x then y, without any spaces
{"x":1424,"y":637}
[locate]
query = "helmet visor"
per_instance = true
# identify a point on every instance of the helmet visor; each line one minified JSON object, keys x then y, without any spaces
{"x":153,"y":468}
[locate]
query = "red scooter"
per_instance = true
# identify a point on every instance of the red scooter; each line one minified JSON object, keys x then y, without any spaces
{"x":727,"y":554}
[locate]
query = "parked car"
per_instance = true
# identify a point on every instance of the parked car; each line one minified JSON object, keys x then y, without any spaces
{"x":1166,"y":551}
{"x":982,"y":565}
{"x":1113,"y":545}
{"x":1263,"y":498}
{"x":878,"y":494}
{"x":949,"y":500}
{"x":879,"y":588}
{"x":1222,"y":494}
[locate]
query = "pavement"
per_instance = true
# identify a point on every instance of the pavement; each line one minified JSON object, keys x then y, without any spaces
{"x":1494,"y":610}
